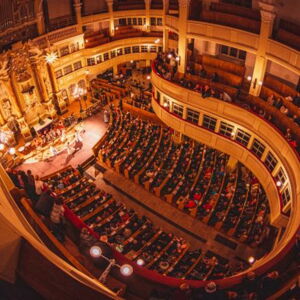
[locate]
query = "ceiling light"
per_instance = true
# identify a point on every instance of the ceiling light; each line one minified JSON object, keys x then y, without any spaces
{"x":95,"y":251}
{"x":126,"y":270}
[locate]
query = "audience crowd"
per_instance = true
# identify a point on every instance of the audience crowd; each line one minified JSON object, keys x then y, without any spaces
{"x":166,"y":66}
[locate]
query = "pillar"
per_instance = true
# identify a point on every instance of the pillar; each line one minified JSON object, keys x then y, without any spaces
{"x":165,"y":30}
{"x":77,"y":6}
{"x":111,"y":17}
{"x":40,"y":22}
{"x":115,"y":70}
{"x":267,"y":20}
{"x":231,"y":164}
{"x":184,"y":6}
{"x":148,"y":6}
{"x":40,"y":82}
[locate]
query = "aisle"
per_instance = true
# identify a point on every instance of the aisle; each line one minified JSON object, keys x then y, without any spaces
{"x":94,"y":129}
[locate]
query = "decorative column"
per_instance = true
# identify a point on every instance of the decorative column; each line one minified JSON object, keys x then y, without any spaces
{"x":148,"y":6}
{"x":60,"y":102}
{"x":165,"y":30}
{"x":110,"y":4}
{"x":267,"y":20}
{"x":77,"y":6}
{"x":184,"y":6}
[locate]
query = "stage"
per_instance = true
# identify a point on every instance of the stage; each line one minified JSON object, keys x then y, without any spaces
{"x":94,"y":128}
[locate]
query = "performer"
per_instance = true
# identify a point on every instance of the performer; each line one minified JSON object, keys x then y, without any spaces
{"x":69,"y":149}
{"x":53,"y":150}
{"x":106,"y":116}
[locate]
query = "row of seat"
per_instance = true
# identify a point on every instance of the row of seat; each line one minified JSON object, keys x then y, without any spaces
{"x":189,"y":175}
{"x":137,"y":237}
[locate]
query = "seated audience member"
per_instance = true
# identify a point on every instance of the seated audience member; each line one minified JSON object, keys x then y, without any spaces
{"x":269,"y":284}
{"x":225,"y":97}
{"x":284,"y":110}
{"x":215,"y":77}
{"x":271,"y":99}
{"x":202,"y":72}
{"x":206,"y":91}
{"x":45,"y":203}
{"x":250,"y":285}
{"x":296,"y":119}
{"x":278,"y":103}
{"x":296,"y":99}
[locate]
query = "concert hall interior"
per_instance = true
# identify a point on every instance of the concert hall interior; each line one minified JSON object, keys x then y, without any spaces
{"x":149,"y":149}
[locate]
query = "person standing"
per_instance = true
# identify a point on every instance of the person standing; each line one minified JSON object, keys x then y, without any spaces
{"x":57,"y":219}
{"x":31,"y":185}
{"x":39,"y":186}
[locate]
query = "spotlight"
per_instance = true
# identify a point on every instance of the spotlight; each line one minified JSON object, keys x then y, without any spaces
{"x":12,"y":151}
{"x":126,"y":270}
{"x":251,"y":260}
{"x":51,"y":57}
{"x":95,"y":251}
{"x":140,"y":262}
{"x":279,"y":183}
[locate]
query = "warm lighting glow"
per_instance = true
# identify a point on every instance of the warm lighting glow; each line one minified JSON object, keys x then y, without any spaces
{"x":87,"y":72}
{"x":232,"y":133}
{"x":157,"y":41}
{"x":131,"y":61}
{"x":126,"y":270}
{"x":279,"y":183}
{"x":169,"y":55}
{"x":148,"y":77}
{"x":117,"y":28}
{"x":140,"y":262}
{"x":249,"y":78}
{"x":1,"y":147}
{"x":251,"y":260}
{"x":95,"y":251}
{"x":177,"y":58}
{"x":51,"y":57}
{"x":260,"y":83}
{"x":12,"y":151}
{"x":166,"y":104}
{"x":86,"y":41}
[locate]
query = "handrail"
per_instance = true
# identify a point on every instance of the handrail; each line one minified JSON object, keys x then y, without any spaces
{"x":53,"y":239}
{"x":289,"y":237}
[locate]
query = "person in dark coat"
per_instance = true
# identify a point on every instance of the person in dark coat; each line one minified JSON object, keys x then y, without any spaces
{"x":31,"y":185}
{"x":13,"y":176}
{"x":45,"y":203}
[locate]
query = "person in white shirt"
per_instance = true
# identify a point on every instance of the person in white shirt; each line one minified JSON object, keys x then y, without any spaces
{"x":39,"y":185}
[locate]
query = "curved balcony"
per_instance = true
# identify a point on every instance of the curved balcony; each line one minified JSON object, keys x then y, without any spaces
{"x":257,"y":128}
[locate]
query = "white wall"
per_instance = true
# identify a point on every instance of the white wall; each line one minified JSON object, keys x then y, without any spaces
{"x":205,"y":47}
{"x":281,"y":72}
